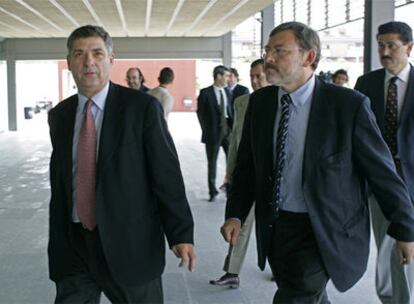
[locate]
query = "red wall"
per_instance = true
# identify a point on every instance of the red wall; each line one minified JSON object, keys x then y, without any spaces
{"x":184,"y":84}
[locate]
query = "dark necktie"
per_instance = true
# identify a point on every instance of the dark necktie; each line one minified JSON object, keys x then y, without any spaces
{"x":282,"y":132}
{"x":86,"y":170}
{"x":391,"y":117}
{"x":223,"y":119}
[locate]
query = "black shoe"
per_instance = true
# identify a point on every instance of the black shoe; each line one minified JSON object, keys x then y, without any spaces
{"x":212,"y":197}
{"x":228,"y":279}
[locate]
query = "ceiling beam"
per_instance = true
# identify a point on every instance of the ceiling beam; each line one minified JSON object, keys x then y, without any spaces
{"x":148,"y":17}
{"x":37,"y":13}
{"x":20,"y":19}
{"x":226,"y":16}
{"x":174,"y":16}
{"x":200,"y":16}
{"x":122,"y":16}
{"x":92,"y":12}
{"x":126,"y":48}
{"x":65,"y":13}
{"x":9,"y":26}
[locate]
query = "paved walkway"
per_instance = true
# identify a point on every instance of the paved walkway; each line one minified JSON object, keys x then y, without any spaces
{"x":24,"y":195}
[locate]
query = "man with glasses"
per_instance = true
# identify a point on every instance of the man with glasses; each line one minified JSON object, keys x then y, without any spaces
{"x":390,"y":90}
{"x":306,"y":151}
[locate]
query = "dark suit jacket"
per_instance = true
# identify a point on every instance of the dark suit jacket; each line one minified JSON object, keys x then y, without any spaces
{"x":343,"y":149}
{"x":208,"y":113}
{"x":372,"y":85}
{"x":139,"y":192}
{"x":239,"y":90}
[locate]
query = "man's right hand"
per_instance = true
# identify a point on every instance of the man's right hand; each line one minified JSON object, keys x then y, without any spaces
{"x":231,"y":230}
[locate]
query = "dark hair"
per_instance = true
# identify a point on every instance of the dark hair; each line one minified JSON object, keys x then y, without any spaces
{"x":396,"y":27}
{"x":220,"y":69}
{"x":166,"y":76}
{"x":306,"y":37}
{"x":339,"y":72}
{"x":256,"y":63}
{"x":87,"y":31}
{"x":141,"y":76}
{"x":235,"y":72}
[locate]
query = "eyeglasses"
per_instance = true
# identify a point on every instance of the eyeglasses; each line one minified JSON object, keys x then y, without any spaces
{"x":278,"y":52}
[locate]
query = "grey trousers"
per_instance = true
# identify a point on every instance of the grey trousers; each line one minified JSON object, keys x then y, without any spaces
{"x":394,"y":282}
{"x":237,"y":253}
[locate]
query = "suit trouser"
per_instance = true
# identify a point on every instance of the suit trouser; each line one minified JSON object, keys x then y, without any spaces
{"x":91,"y":276}
{"x":295,"y":261}
{"x":394,"y":282}
{"x":212,"y":151}
{"x":237,"y":253}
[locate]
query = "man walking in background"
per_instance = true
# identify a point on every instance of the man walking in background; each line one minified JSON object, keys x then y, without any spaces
{"x":135,"y":80}
{"x":391,"y":91}
{"x":215,"y":113}
{"x":234,"y":87}
{"x":161,"y":92}
{"x":236,"y":254}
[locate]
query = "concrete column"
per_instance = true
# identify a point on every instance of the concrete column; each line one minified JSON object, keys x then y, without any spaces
{"x":227,"y":52}
{"x":377,"y":12}
{"x":268,"y":23}
{"x":11,"y":91}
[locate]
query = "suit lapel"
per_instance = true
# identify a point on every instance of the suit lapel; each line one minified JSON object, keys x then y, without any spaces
{"x":378,"y":98}
{"x":318,"y":126}
{"x":111,"y":128}
{"x":408,"y":105}
{"x":269,"y":127}
{"x":213,"y":98}
{"x":68,"y":125}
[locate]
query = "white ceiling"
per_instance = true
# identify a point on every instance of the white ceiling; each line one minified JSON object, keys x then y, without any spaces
{"x":125,"y":18}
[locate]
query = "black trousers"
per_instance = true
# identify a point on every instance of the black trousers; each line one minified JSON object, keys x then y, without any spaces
{"x":91,"y":277}
{"x":296,"y":262}
{"x":212,"y":151}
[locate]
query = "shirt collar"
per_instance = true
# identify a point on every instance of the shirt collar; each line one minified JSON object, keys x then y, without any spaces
{"x":302,"y":94}
{"x":403,"y":76}
{"x":218,"y":88}
{"x":99,"y":99}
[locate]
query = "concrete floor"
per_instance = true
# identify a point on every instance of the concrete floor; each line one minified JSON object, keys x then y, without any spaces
{"x":24,"y":195}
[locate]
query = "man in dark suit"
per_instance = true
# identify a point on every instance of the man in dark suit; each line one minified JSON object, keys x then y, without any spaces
{"x":391,"y":91}
{"x":307,"y":150}
{"x":234,"y":87}
{"x":112,"y":201}
{"x":215,"y":115}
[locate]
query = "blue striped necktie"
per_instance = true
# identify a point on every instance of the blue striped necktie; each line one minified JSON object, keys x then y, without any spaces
{"x":282,"y":132}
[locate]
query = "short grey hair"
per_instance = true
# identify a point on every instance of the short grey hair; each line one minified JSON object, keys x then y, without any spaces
{"x":306,"y":37}
{"x":90,"y":31}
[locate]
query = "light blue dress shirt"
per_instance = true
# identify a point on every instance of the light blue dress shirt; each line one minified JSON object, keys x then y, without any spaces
{"x":98,"y":107}
{"x":292,"y":198}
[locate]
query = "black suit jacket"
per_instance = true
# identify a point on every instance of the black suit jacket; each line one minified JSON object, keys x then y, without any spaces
{"x":139,"y":188}
{"x":343,"y":149}
{"x":239,"y":90}
{"x":208,"y":113}
{"x":372,"y":85}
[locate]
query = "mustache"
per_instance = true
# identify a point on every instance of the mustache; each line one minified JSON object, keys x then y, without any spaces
{"x":270,"y":66}
{"x":386,"y":57}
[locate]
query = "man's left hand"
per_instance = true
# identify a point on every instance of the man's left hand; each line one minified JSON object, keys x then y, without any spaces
{"x":186,"y":253}
{"x":405,"y":251}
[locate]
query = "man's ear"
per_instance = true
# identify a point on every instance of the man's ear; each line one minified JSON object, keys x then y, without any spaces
{"x":112,"y":57}
{"x":409,"y":48}
{"x":309,"y":57}
{"x":68,"y":62}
